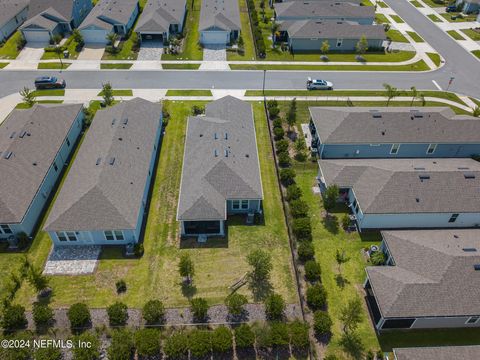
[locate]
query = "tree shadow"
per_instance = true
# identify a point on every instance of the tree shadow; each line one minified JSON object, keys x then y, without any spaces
{"x":242,"y":317}
{"x":331,"y":223}
{"x":352,"y":344}
{"x":260,"y":289}
{"x":188,"y":290}
{"x":341,"y":281}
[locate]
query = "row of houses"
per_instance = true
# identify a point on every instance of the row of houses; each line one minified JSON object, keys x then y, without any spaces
{"x":409,"y":173}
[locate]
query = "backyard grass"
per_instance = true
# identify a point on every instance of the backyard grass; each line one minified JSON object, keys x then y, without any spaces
{"x":248,"y":48}
{"x":71,"y":47}
{"x":49,"y":92}
{"x":435,"y":58}
{"x":396,"y":36}
{"x":381,"y":19}
{"x":9,"y":49}
{"x":417,"y":38}
{"x":192,"y":50}
{"x":118,"y":66}
{"x":434,"y":18}
{"x":455,"y":35}
{"x":472,"y":34}
{"x":180,"y":66}
{"x":125,"y":92}
{"x":397,"y":19}
{"x":218,"y":263}
{"x":189,"y":93}
{"x":468,"y":18}
{"x":416,"y":4}
{"x":54,"y":65}
{"x":476,"y":53}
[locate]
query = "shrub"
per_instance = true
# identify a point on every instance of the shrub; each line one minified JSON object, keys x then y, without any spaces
{"x":298,"y":208}
{"x":138,"y":248}
{"x":379,"y":355}
{"x":282,"y":146}
{"x":147,"y":342}
{"x":287,"y":176}
{"x":278,"y":133}
{"x":302,"y":228}
{"x":274,"y":306}
{"x":277,"y":123}
{"x":221,"y":339}
{"x":198,"y":110}
{"x":14,"y":317}
{"x":117,"y":314}
{"x":176,"y":346}
{"x":48,"y":353}
{"x":153,"y":311}
{"x":299,"y":335}
{"x":279,"y":335}
{"x":273,"y":112}
{"x":83,"y":352}
{"x":305,"y":251}
{"x":330,"y":197}
{"x":199,"y":343}
{"x":322,"y":323}
{"x":244,"y":337}
{"x":121,"y":346}
{"x":370,"y":355}
{"x":42,"y":314}
{"x":199,"y":307}
{"x":272,"y":104}
{"x":235,"y":303}
{"x":79,"y":316}
{"x":312,"y":270}
{"x":316,"y":297}
{"x":293,"y":192}
{"x":284,"y":159}
{"x":345,"y":221}
{"x":378,"y":258}
{"x":121,"y":286}
{"x":261,"y":263}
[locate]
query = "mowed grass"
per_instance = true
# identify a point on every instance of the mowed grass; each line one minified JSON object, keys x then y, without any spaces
{"x":218,"y":264}
{"x":435,"y":58}
{"x":434,"y":18}
{"x":396,"y":36}
{"x":397,"y":19}
{"x":49,"y":92}
{"x":472,"y":34}
{"x":476,"y":53}
{"x":248,"y":48}
{"x":118,"y":66}
{"x":455,"y":35}
{"x":189,"y":93}
{"x":180,"y":66}
{"x":124,"y":92}
{"x":417,"y":38}
{"x":54,"y":65}
{"x":9,"y":49}
{"x":416,"y":4}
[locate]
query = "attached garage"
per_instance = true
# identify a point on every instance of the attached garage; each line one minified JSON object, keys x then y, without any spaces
{"x":94,"y":35}
{"x":153,"y":36}
{"x":209,"y":37}
{"x":36,"y":35}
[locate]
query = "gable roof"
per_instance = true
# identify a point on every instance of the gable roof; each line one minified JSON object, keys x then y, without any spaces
{"x":33,"y":138}
{"x":10,"y":8}
{"x":158,"y":15}
{"x":62,"y":7}
{"x":396,"y":186}
{"x":433,"y":275}
{"x":438,"y":353}
{"x":359,"y":125}
{"x":221,"y":14}
{"x":108,"y":13}
{"x":317,"y":9}
{"x":331,"y":30}
{"x":210,"y":176}
{"x":104,"y":196}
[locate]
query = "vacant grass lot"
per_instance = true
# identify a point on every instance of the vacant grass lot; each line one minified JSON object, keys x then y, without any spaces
{"x":9,"y":49}
{"x":218,"y":263}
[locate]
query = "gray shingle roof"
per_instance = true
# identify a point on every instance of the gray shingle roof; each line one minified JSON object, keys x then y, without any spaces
{"x":393,"y":125}
{"x":222,"y":14}
{"x":158,"y":15}
{"x":321,"y":9}
{"x":33,"y":136}
{"x":209,"y":180}
{"x":9,"y":9}
{"x":104,"y":196}
{"x":438,"y":353}
{"x":59,"y":9}
{"x":331,"y":30}
{"x":386,"y":186}
{"x":433,"y":275}
{"x":110,"y":12}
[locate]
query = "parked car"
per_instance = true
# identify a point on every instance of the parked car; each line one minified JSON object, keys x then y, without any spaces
{"x":49,"y":82}
{"x":451,"y":8}
{"x":313,"y":84}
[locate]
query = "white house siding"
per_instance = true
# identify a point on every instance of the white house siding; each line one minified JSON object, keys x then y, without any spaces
{"x":9,"y":28}
{"x":314,"y":44}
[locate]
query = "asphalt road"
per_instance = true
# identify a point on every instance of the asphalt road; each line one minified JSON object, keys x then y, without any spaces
{"x":464,"y":67}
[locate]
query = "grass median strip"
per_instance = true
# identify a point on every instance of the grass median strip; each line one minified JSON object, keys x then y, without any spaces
{"x":125,"y":92}
{"x":22,"y":106}
{"x":416,"y":4}
{"x":476,"y":53}
{"x":472,"y":34}
{"x":189,"y":93}
{"x":435,"y":58}
{"x":455,"y":35}
{"x":396,"y":36}
{"x":417,"y":38}
{"x":180,"y":66}
{"x":54,"y":66}
{"x":9,"y":49}
{"x":3,"y":64}
{"x":118,"y":66}
{"x":50,"y":92}
{"x":434,"y":18}
{"x":397,"y":19}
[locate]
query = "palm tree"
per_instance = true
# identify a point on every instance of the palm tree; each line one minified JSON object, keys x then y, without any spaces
{"x":414,"y":94}
{"x":275,"y":27}
{"x":391,"y":91}
{"x":58,"y":50}
{"x":112,"y":38}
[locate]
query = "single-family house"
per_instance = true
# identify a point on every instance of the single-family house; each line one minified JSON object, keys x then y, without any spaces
{"x":407,"y":193}
{"x":392,"y":132}
{"x":107,"y":17}
{"x":34,"y":146}
{"x":160,"y":19}
{"x":104,"y":198}
{"x":221,"y":172}
{"x":468,"y":6}
{"x":431,"y":280}
{"x":12,"y":14}
{"x":309,"y":35}
{"x":470,"y":352}
{"x":219,"y":22}
{"x":324,"y":10}
{"x":48,"y":18}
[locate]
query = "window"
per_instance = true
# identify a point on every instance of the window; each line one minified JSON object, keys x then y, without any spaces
{"x":453,"y":218}
{"x":61,"y":236}
{"x":109,"y":235}
{"x":472,"y":320}
{"x":245,"y":204}
{"x":236,"y":204}
{"x":394,"y":149}
{"x":119,"y":235}
{"x":71,"y":236}
{"x":114,"y":235}
{"x":68,"y":142}
{"x":5,"y":229}
{"x":431,"y":148}
{"x":339,"y":42}
{"x":55,"y":167}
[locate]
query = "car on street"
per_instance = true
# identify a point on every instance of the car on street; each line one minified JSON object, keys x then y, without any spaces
{"x":314,"y":84}
{"x":49,"y":82}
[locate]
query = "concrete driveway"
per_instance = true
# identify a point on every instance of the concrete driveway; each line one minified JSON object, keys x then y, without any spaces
{"x":150,"y":50}
{"x":92,"y":52}
{"x":29,"y":57}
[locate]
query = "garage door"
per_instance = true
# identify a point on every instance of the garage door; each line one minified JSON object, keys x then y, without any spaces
{"x":94,"y":36}
{"x":37,"y":36}
{"x":215,"y":37}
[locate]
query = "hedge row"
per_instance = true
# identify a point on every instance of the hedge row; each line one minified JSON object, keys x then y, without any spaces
{"x":257,"y":32}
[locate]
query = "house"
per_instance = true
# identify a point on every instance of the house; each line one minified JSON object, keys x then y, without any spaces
{"x":12,"y":14}
{"x":432,"y":280}
{"x":104,"y":197}
{"x":468,"y":6}
{"x":308,"y":35}
{"x":221,"y":172}
{"x":392,"y":132}
{"x":160,"y":19}
{"x":34,"y":146}
{"x":324,"y":10}
{"x":407,"y":193}
{"x":219,"y":22}
{"x":48,"y":18}
{"x":471,"y":352}
{"x":107,"y":17}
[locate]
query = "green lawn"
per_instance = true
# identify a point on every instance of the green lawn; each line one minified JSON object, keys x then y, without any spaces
{"x":397,"y":19}
{"x":475,"y":101}
{"x":367,"y":3}
{"x":3,"y":64}
{"x":435,"y":3}
{"x":435,"y":58}
{"x":382,"y":4}
{"x":472,"y":34}
{"x":54,"y":65}
{"x":125,"y":92}
{"x":381,"y":19}
{"x":118,"y":66}
{"x":476,"y":53}
{"x":189,"y":93}
{"x":9,"y":49}
{"x":434,"y":18}
{"x":455,"y":35}
{"x":26,"y":106}
{"x":448,"y":17}
{"x":416,"y":4}
{"x":396,"y":56}
{"x":71,"y":47}
{"x":249,"y":48}
{"x":396,"y":36}
{"x":180,"y":66}
{"x":51,"y":92}
{"x":218,"y":264}
{"x":417,"y":38}
{"x":192,"y":50}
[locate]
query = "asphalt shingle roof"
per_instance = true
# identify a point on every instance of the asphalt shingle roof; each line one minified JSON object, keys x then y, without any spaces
{"x":105,"y":196}
{"x":433,"y":276}
{"x":394,"y":125}
{"x":386,"y":186}
{"x":110,"y":12}
{"x":9,"y":9}
{"x":223,"y":14}
{"x":322,"y":9}
{"x":438,"y":353}
{"x":331,"y":30}
{"x":59,"y":9}
{"x":33,"y":137}
{"x":210,"y":177}
{"x":158,"y":15}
